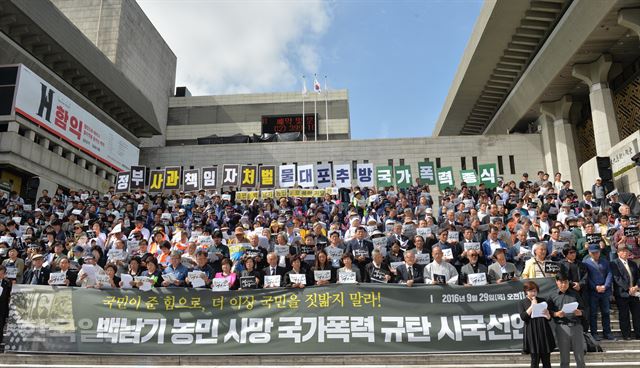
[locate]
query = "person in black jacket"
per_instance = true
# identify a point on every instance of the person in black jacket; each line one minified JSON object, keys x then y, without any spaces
{"x":5,"y":284}
{"x":538,"y":338}
{"x":626,"y":278}
{"x":37,"y":275}
{"x":273,"y":269}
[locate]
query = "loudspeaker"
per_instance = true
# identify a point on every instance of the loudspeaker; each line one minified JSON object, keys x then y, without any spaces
{"x":605,"y":172}
{"x":31,"y":191}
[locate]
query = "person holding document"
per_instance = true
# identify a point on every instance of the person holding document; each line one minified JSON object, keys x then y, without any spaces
{"x":538,"y":337}
{"x":566,"y":307}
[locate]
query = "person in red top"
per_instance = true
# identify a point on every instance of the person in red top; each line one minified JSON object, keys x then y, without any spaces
{"x":631,"y":242}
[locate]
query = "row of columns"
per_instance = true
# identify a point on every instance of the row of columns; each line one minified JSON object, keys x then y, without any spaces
{"x":59,"y":150}
{"x":556,"y":128}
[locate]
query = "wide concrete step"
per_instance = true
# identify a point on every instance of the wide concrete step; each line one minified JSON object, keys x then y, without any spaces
{"x":610,"y":358}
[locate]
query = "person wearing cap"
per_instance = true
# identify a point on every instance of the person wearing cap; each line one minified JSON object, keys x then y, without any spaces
{"x":37,"y":274}
{"x":176,"y":268}
{"x":239,"y":238}
{"x":600,"y":285}
{"x":626,"y":279}
{"x":568,"y":326}
{"x":140,"y":229}
{"x":565,"y":212}
{"x":501,"y":270}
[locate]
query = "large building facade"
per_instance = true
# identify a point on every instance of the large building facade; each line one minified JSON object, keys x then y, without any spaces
{"x":543,"y":85}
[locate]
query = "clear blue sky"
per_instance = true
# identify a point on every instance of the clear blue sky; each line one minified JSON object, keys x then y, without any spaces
{"x":397,"y":58}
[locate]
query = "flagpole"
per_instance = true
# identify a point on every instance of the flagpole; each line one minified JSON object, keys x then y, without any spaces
{"x":304,"y":92}
{"x":326,"y":106}
{"x":315,"y":109}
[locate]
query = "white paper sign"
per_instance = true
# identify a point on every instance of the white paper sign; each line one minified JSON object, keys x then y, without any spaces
{"x":272,"y":281}
{"x":57,"y":278}
{"x":298,"y":278}
{"x":570,"y":308}
{"x":476,"y":279}
{"x":12,"y":272}
{"x":347,"y":277}
{"x":126,"y":280}
{"x":471,"y":245}
{"x":453,"y":236}
{"x":447,"y":253}
{"x":423,"y":258}
{"x":169,"y":277}
{"x":538,"y":310}
{"x":220,"y":284}
{"x":424,"y":232}
{"x":147,"y":282}
{"x":322,"y":275}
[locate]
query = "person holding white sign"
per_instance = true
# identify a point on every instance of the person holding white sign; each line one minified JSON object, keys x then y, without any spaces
{"x":177,"y":269}
{"x":409,"y":272}
{"x":202,"y":266}
{"x":153,"y":272}
{"x":17,"y":266}
{"x":322,"y":264}
{"x":439,"y":271}
{"x":68,"y":276}
{"x":349,"y":266}
{"x":537,"y":337}
{"x":230,"y":276}
{"x":472,"y":268}
{"x":295,"y":277}
{"x":273,"y":269}
{"x":568,"y":324}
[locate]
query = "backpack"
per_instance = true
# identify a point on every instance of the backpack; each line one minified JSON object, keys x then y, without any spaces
{"x":591,"y":344}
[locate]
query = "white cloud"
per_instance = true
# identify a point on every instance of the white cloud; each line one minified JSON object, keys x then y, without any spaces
{"x":241,"y":46}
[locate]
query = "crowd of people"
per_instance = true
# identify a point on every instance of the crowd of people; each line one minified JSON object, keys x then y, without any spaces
{"x":470,"y":236}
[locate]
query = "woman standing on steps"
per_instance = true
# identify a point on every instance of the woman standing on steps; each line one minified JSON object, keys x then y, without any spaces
{"x":538,"y":337}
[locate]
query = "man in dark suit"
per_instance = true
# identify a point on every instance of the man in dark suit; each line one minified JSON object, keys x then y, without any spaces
{"x":37,"y":275}
{"x":70,"y":275}
{"x":409,"y":272}
{"x":360,"y":248}
{"x":626,"y":278}
{"x":273,"y":269}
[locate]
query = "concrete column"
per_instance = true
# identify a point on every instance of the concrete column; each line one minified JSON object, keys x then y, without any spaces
{"x":58,"y":150}
{"x":102,"y":173}
{"x":45,"y":142}
{"x":548,"y":144}
{"x":13,"y":127}
{"x":70,"y":156}
{"x":605,"y":127}
{"x":31,"y":135}
{"x":82,"y":162}
{"x":111,"y":178}
{"x":558,"y":112}
{"x":92,"y":168}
